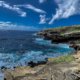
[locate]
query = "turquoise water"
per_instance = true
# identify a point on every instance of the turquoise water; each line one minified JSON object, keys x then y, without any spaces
{"x":20,"y":48}
{"x":33,"y":48}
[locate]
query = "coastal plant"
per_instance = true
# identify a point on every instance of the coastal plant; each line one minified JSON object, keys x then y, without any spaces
{"x":67,"y":58}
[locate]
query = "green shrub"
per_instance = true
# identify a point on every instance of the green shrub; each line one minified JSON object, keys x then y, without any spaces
{"x":67,"y":58}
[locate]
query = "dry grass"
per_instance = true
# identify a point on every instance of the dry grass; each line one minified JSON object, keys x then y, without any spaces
{"x":67,"y":58}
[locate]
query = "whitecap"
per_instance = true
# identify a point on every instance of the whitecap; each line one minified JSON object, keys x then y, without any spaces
{"x":41,"y":41}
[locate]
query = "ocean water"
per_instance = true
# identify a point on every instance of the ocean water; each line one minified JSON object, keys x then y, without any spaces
{"x":17,"y":48}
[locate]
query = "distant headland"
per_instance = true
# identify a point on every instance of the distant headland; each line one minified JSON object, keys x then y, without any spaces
{"x":68,"y":34}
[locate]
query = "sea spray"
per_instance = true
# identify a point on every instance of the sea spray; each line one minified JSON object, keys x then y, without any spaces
{"x":41,"y":41}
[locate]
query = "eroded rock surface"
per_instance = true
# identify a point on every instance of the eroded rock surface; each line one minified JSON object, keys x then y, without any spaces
{"x":49,"y":71}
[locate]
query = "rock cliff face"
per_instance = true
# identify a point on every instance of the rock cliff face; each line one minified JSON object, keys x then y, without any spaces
{"x":70,"y":35}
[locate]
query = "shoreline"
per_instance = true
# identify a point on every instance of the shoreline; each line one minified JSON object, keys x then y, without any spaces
{"x":20,"y":72}
{"x":61,"y":68}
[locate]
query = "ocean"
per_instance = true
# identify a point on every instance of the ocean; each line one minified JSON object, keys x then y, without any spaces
{"x":17,"y":48}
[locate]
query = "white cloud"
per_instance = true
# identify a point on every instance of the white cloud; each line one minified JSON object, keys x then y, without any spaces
{"x":35,"y":9}
{"x":31,"y":7}
{"x":41,"y":1}
{"x":7,"y":25}
{"x":17,"y":8}
{"x":66,"y":8}
{"x":13,"y":8}
{"x":43,"y":19}
{"x":13,"y":26}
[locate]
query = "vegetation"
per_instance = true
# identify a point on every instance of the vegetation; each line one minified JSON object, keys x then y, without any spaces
{"x":65,"y":29}
{"x":67,"y":58}
{"x":66,"y":34}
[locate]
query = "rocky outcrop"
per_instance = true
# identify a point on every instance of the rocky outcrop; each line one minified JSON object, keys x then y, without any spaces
{"x":62,"y":71}
{"x":49,"y":71}
{"x":59,"y":38}
{"x":33,"y":64}
{"x":8,"y":76}
{"x":70,"y":35}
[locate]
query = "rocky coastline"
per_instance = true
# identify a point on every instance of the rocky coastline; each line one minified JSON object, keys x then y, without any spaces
{"x":69,"y":35}
{"x":62,"y":68}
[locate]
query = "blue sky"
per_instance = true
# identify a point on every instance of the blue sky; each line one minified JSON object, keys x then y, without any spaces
{"x":38,"y":14}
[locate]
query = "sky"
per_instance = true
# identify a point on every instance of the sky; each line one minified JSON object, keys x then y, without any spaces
{"x":38,"y":14}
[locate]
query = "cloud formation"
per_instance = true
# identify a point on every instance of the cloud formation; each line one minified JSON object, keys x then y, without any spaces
{"x":66,"y":8}
{"x":31,"y":7}
{"x":35,"y":9}
{"x":17,"y":8}
{"x":42,"y":19}
{"x":13,"y":26}
{"x":13,"y":8}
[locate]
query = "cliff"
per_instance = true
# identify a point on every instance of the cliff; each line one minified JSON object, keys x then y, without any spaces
{"x":61,"y":68}
{"x":70,"y":35}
